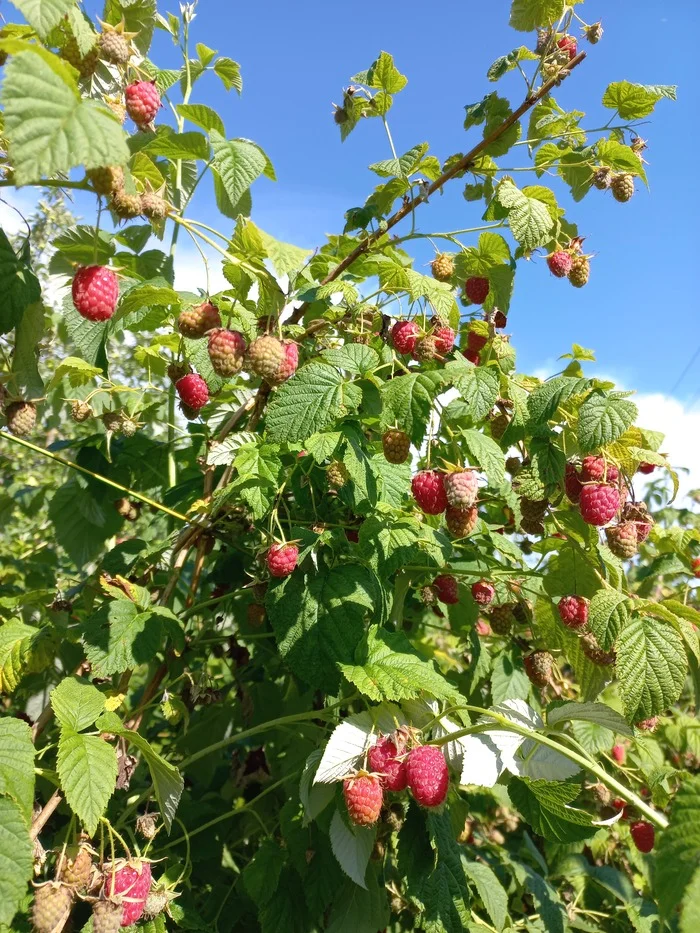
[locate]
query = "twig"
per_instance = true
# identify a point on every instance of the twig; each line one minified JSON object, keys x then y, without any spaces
{"x":42,"y":818}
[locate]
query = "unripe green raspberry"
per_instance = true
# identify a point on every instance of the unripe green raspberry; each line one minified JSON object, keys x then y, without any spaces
{"x":580,"y":271}
{"x":107,"y":179}
{"x":622,"y":539}
{"x":337,"y":475}
{"x":265,"y":356}
{"x":126,"y":206}
{"x":396,"y":445}
{"x":21,"y":418}
{"x":114,"y":47}
{"x":501,"y":619}
{"x":84,"y":64}
{"x":622,"y":187}
{"x":595,"y":653}
{"x":113,"y":420}
{"x":198,"y":321}
{"x":427,"y":349}
{"x":602,"y":178}
{"x":154,"y":206}
{"x":106,"y":916}
{"x":129,"y":427}
{"x":76,"y":868}
{"x":443,"y":267}
{"x":52,"y":905}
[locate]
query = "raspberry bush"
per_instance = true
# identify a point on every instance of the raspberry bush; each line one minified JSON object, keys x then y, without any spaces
{"x":316,"y":612}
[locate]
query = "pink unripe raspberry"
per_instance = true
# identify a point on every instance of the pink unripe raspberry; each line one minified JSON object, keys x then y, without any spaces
{"x":383,"y":758}
{"x":461,"y":522}
{"x":289,"y":364}
{"x":568,"y":44}
{"x":428,"y":489}
{"x":444,"y":339}
{"x":618,"y":754}
{"x":559,"y":263}
{"x":648,"y":725}
{"x":428,"y":776}
{"x":599,"y":503}
{"x":597,"y":469}
{"x":142,"y":102}
{"x":447,"y":589}
{"x":226,"y":352}
{"x":193,"y":391}
{"x":483,"y":592}
{"x":482,"y":628}
{"x":196,"y":322}
{"x":363,"y":798}
{"x":461,"y":489}
{"x":477,"y":288}
{"x":642,"y":835}
{"x":131,"y":883}
{"x":282,"y":559}
{"x":95,"y":292}
{"x":404,"y":335}
{"x":573,"y":611}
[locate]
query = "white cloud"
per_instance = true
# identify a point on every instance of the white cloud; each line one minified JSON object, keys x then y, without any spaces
{"x":660,"y":412}
{"x":14,"y":206}
{"x":191,"y":274}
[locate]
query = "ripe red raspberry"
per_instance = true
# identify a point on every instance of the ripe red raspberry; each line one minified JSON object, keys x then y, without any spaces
{"x":95,"y":292}
{"x":568,"y":44}
{"x":598,"y":470}
{"x":266,"y":355}
{"x":282,"y":559}
{"x":559,"y":263}
{"x":428,"y":488}
{"x":476,"y":341}
{"x":482,"y":592}
{"x":580,"y":271}
{"x":642,"y":835}
{"x":648,"y":725}
{"x":444,"y":339}
{"x":622,"y":539}
{"x":442,"y":267}
{"x":573,"y":611}
{"x":383,"y":760}
{"x":646,"y":468}
{"x":428,"y":777}
{"x":193,"y":391}
{"x":198,"y":321}
{"x":499,"y":320}
{"x":476,"y":289}
{"x":461,"y":522}
{"x":396,"y":445}
{"x":572,"y":483}
{"x":363,"y":798}
{"x":538,"y":667}
{"x":52,"y":905}
{"x":21,"y":418}
{"x":142,"y":102}
{"x":106,"y":917}
{"x":696,"y":567}
{"x":226,"y":352}
{"x":618,"y":754}
{"x":289,"y":364}
{"x":130,"y":882}
{"x":447,"y":589}
{"x":599,"y":503}
{"x":472,"y":355}
{"x":404,"y":335}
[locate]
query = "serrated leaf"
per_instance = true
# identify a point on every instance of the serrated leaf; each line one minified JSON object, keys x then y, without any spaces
{"x":603,"y":419}
{"x":314,"y":797}
{"x":229,"y":72}
{"x":590,"y":712}
{"x":309,"y":402}
{"x":634,"y":101}
{"x":607,"y":615}
{"x":546,"y":399}
{"x":391,"y":543}
{"x":546,"y":807}
{"x":43,"y":15}
{"x":87,"y":769}
{"x":15,"y":642}
{"x":17,"y":764}
{"x":353,"y":357}
{"x":238,"y":162}
{"x":285,"y":257}
{"x":49,"y":127}
{"x":261,"y":874}
{"x":76,"y":704}
{"x":202,"y":116}
{"x":384,"y":74}
{"x":352,"y":847}
{"x":77,"y":371}
{"x":486,"y":453}
{"x":20,"y":287}
{"x":489,"y":889}
{"x":120,"y":636}
{"x":444,"y":893}
{"x":651,"y":667}
{"x":677,"y":852}
{"x":172,"y":145}
{"x":529,"y":219}
{"x":508,"y":62}
{"x":479,"y":387}
{"x":526,"y":15}
{"x":28,"y":335}
{"x":408,"y":401}
{"x":16,"y":858}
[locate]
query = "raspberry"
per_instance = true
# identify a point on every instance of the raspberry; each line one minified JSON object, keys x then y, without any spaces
{"x":594,"y":653}
{"x":193,"y":391}
{"x":95,"y":292}
{"x":472,"y":356}
{"x":599,"y":503}
{"x":442,"y":267}
{"x":256,"y":614}
{"x":106,"y":917}
{"x":396,"y":445}
{"x":538,"y":667}
{"x":597,"y":470}
{"x":146,"y":825}
{"x":114,"y":47}
{"x":21,"y":418}
{"x":337,"y":474}
{"x":476,"y":341}
{"x":142,"y":102}
{"x":696,"y":567}
{"x":128,"y":884}
{"x":476,"y":289}
{"x":461,"y":522}
{"x":646,"y":468}
{"x":52,"y":905}
{"x":482,"y":592}
{"x":559,"y":263}
{"x":266,"y":355}
{"x":117,"y":106}
{"x":573,"y":611}
{"x":461,"y":489}
{"x":363,"y":798}
{"x":499,"y":320}
{"x":572,"y":483}
{"x":428,"y":488}
{"x":622,"y":187}
{"x":404,"y":335}
{"x":642,"y":835}
{"x":498,"y":425}
{"x":513,"y":465}
{"x":594,"y":33}
{"x":568,"y":44}
{"x":482,"y":627}
{"x":533,"y":513}
{"x":196,"y":322}
{"x":124,"y":204}
{"x":622,"y":540}
{"x":84,"y":64}
{"x":76,"y":868}
{"x":383,"y":759}
{"x":289,"y":364}
{"x":426,"y":349}
{"x":444,"y":339}
{"x":427,"y":775}
{"x":226,"y":352}
{"x":602,"y":177}
{"x":580,"y":271}
{"x":618,"y":754}
{"x":130,"y":427}
{"x":281,"y":559}
{"x":107,"y":179}
{"x":648,"y":725}
{"x":447,"y":589}
{"x":177,"y":370}
{"x":501,"y":619}
{"x":112,"y":420}
{"x":154,"y":206}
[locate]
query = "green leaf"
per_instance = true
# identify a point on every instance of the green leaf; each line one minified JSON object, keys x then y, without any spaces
{"x":352,"y":847}
{"x":677,"y":852}
{"x":359,"y":910}
{"x":508,"y":62}
{"x":87,"y":769}
{"x":28,"y":335}
{"x":261,"y":874}
{"x":444,"y":893}
{"x":49,"y":127}
{"x":15,"y":645}
{"x":120,"y":636}
{"x":607,"y":615}
{"x":285,"y":257}
{"x":17,"y":764}
{"x":486,"y":453}
{"x":238,"y":162}
{"x":384,"y":74}
{"x":508,"y":680}
{"x":526,"y":15}
{"x":76,"y":704}
{"x":43,"y":15}
{"x":391,"y":543}
{"x":309,"y":402}
{"x":229,"y":72}
{"x":322,"y":446}
{"x":546,"y":399}
{"x":603,"y":419}
{"x":77,"y":371}
{"x":530,"y":221}
{"x":546,"y":807}
{"x":81,"y":523}
{"x":598,"y":713}
{"x":20,"y":287}
{"x":174,"y":145}
{"x":489,"y":889}
{"x":318,"y":620}
{"x":139,"y":17}
{"x":353,"y":358}
{"x":651,"y":667}
{"x":202,"y":116}
{"x":408,"y":401}
{"x":387,"y":667}
{"x":479,"y":387}
{"x":571,"y":571}
{"x":16,"y":859}
{"x":634,"y":101}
